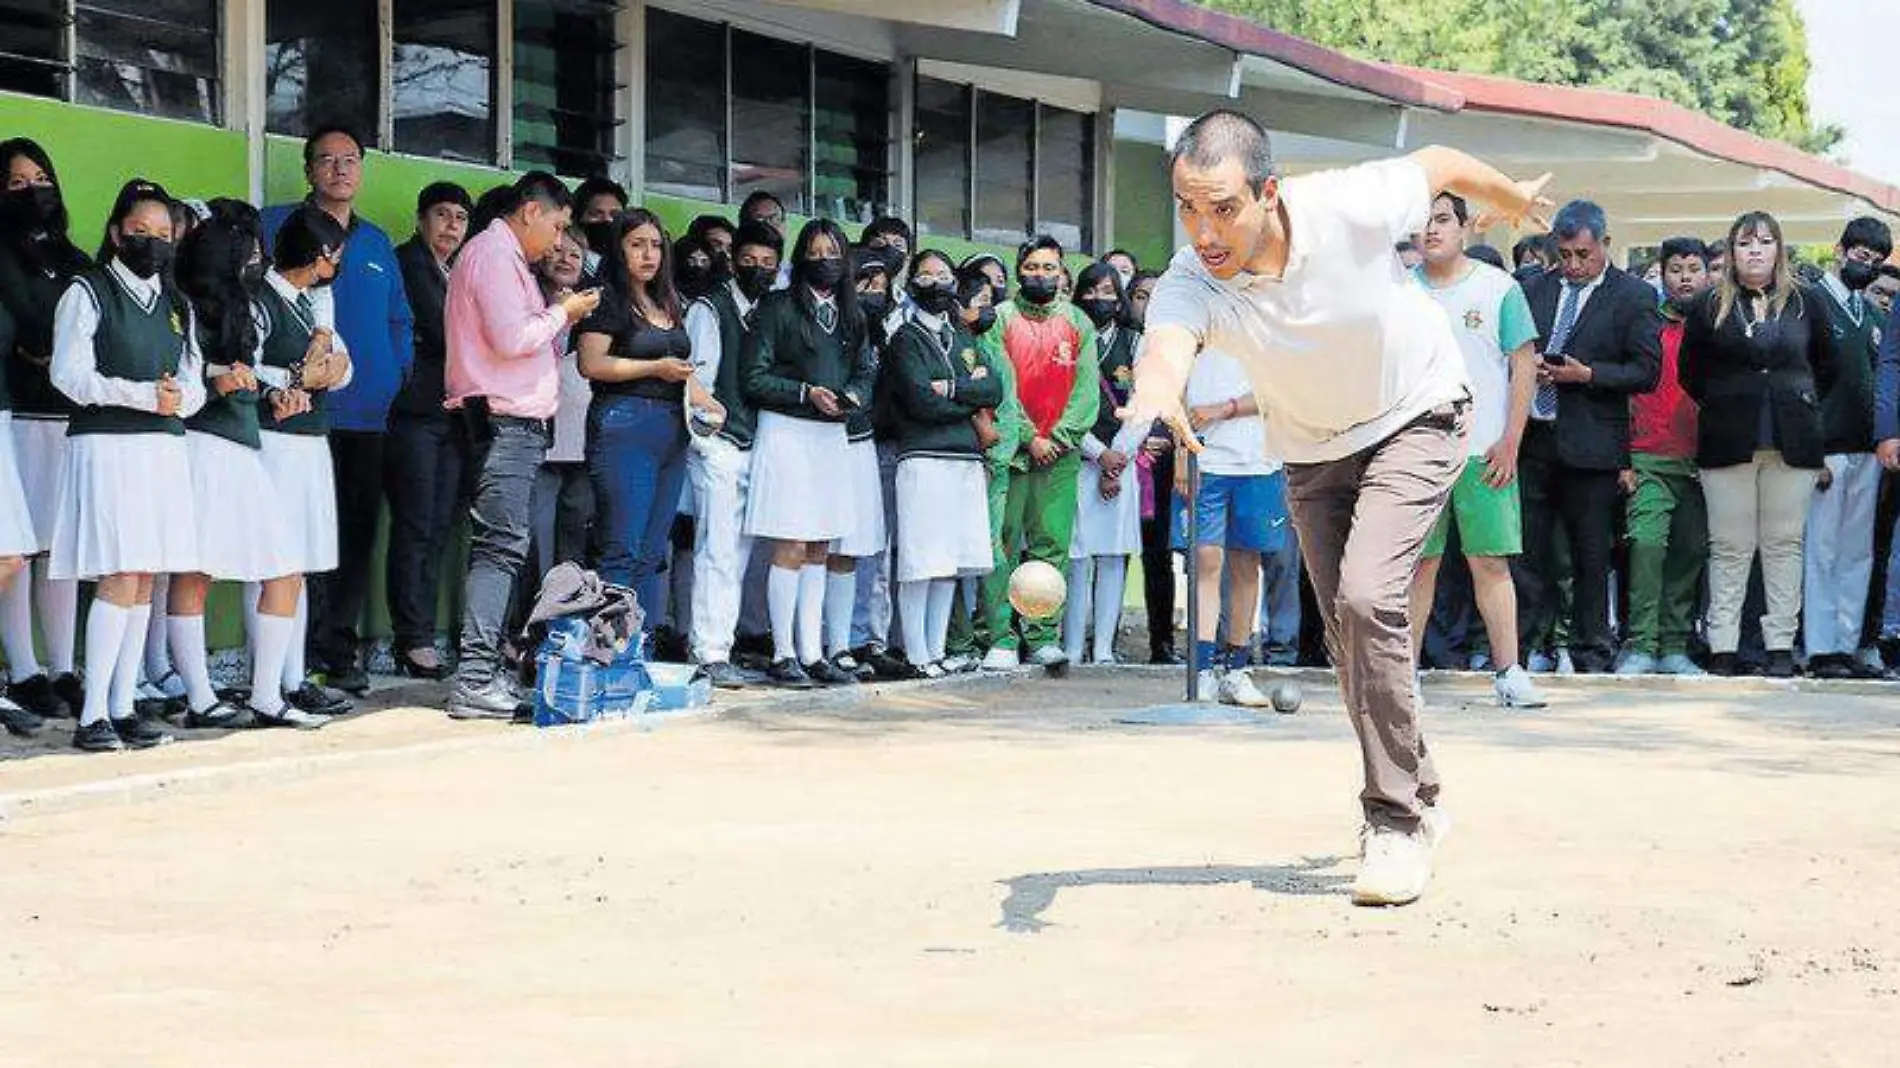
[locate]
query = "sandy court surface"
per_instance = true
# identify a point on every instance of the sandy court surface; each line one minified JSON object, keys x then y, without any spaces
{"x":985,"y":873}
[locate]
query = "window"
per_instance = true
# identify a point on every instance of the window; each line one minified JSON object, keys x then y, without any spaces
{"x":1065,"y":172}
{"x":156,"y":57}
{"x":851,"y":119}
{"x":564,"y":85}
{"x":686,"y":106}
{"x":1005,"y":168}
{"x":941,"y":159}
{"x":442,"y":78}
{"x":322,"y":65}
{"x":730,"y":113}
{"x":771,"y":119}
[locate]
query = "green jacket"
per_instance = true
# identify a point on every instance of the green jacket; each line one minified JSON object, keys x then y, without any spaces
{"x":786,"y":356}
{"x":1020,"y":343}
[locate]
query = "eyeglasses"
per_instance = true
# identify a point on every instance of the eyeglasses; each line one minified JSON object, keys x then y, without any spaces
{"x":338,"y":164}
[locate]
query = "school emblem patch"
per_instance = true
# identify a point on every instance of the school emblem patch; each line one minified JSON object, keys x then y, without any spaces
{"x":1474,"y":319}
{"x":1123,"y":376}
{"x":178,"y":322}
{"x":969,"y":359}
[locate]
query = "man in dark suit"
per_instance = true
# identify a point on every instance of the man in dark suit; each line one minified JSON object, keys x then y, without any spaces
{"x":1600,"y":336}
{"x":422,"y":469}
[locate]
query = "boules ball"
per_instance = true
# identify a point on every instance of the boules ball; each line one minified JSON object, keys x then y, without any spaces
{"x":1286,"y":697}
{"x":1037,"y":590}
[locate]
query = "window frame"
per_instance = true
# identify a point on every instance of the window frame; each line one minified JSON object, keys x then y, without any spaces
{"x":64,"y":68}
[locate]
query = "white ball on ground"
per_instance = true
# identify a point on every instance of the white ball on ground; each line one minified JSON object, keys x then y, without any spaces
{"x":1037,"y":590}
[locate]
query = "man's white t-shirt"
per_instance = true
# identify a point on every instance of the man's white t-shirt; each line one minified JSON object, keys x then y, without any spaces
{"x":1491,"y":319}
{"x":1231,"y":446}
{"x":1345,"y":349}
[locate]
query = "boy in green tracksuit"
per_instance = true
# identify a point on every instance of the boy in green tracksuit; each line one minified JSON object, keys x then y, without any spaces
{"x":1048,"y":347}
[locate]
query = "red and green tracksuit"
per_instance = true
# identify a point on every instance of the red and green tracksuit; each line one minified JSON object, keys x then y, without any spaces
{"x":1668,"y":523}
{"x":1049,"y":354}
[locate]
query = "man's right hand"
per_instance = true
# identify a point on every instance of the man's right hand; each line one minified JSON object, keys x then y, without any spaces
{"x":1888,"y":452}
{"x":580,"y":305}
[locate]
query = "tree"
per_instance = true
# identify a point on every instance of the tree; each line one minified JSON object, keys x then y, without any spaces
{"x":1744,"y":62}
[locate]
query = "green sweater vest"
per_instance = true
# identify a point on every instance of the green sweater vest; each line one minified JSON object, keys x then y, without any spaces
{"x":286,"y":339}
{"x":135,"y":345}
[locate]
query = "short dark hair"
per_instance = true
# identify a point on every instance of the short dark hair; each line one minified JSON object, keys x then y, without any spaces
{"x":1039,"y":243}
{"x":757,"y":234}
{"x":1487,"y":254}
{"x":600,"y":185}
{"x":1718,"y":247}
{"x":1221,"y":135}
{"x":754,"y":199}
{"x":304,"y":236}
{"x":1537,"y":245}
{"x":542,"y":187}
{"x":133,"y":193}
{"x":887,"y":226}
{"x":1404,"y":246}
{"x":321,"y":132}
{"x":1580,"y":216}
{"x":705,"y":224}
{"x":443,"y":193}
{"x":1458,"y":206}
{"x":1679,"y":247}
{"x":1868,"y":232}
{"x":1888,"y":270}
{"x":1114,"y":252}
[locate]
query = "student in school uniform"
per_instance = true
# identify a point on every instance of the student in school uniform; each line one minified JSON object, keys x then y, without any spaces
{"x":596,"y":201}
{"x":301,"y":360}
{"x":719,"y":464}
{"x":635,"y":350}
{"x":933,"y":382}
{"x":806,"y":369}
{"x":123,"y":352}
{"x":1107,"y":498}
{"x":38,"y":260}
{"x":997,"y":428}
{"x":220,"y":266}
{"x":865,"y":542}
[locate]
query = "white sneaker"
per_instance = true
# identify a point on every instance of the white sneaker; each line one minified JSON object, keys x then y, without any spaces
{"x":932,"y":671}
{"x":1207,"y":685}
{"x":1516,"y":690}
{"x":1565,"y":665}
{"x":1001,"y":659}
{"x":1396,"y":869}
{"x":957,"y":665}
{"x":1050,"y":656}
{"x":1869,"y":658}
{"x":1678,"y":664}
{"x":1542,"y":664}
{"x":1237,"y":688}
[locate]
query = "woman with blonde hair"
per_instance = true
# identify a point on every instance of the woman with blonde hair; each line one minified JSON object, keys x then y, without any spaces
{"x":1757,"y":351}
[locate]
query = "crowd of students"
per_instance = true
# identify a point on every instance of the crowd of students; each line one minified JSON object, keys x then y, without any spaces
{"x":817,"y":460}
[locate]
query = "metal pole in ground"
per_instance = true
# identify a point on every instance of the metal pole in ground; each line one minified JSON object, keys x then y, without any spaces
{"x":1193,"y":573}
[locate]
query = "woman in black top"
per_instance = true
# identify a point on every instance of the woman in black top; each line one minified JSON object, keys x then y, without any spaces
{"x":806,"y":368}
{"x":37,"y":261}
{"x":1757,"y":350}
{"x":635,"y":351}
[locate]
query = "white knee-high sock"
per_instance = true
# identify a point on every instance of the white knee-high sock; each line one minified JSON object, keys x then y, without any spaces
{"x":293,"y":673}
{"x":16,"y":626}
{"x":811,"y":614}
{"x":58,"y":603}
{"x":943,"y":596}
{"x":913,"y":610}
{"x":1111,"y":579}
{"x":841,"y":594}
{"x":158,"y":657}
{"x":125,"y":675}
{"x":187,"y":634}
{"x":781,"y":600}
{"x":1075,"y":617}
{"x":270,"y":640}
{"x":105,"y":633}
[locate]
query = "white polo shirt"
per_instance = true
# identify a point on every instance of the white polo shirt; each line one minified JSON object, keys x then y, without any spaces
{"x":1345,"y":349}
{"x":1233,"y":447}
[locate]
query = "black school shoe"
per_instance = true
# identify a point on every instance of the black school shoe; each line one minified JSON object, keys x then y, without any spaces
{"x":788,"y":675}
{"x":70,"y":689}
{"x":724,"y":676}
{"x":217,"y":717}
{"x":826,"y":673}
{"x":318,"y":700}
{"x":350,"y":678}
{"x":36,"y":696}
{"x":288,"y":716}
{"x":97,"y":737}
{"x":18,"y":721}
{"x":1780,"y":664}
{"x":1723,"y":664}
{"x":139,"y":733}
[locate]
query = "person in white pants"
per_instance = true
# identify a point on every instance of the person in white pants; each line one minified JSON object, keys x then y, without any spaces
{"x":1107,"y":500}
{"x":719,"y":465}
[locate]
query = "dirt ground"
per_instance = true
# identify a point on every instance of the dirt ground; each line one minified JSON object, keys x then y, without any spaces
{"x":988,"y":872}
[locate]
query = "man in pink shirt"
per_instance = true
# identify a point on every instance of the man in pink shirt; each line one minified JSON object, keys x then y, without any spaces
{"x":504,"y":387}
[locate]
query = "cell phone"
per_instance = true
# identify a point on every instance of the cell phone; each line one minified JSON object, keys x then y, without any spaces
{"x":1555,"y":358}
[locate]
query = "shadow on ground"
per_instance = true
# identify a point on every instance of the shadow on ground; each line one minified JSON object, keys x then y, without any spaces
{"x":1032,"y":895}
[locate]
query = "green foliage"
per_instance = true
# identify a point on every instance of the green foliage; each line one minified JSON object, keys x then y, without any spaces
{"x":1744,"y":62}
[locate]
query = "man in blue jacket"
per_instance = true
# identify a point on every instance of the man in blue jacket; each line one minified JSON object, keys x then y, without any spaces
{"x":373,"y":320}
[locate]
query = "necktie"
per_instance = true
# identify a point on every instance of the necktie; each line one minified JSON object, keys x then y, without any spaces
{"x":306,"y":309}
{"x":945,"y":337}
{"x":827,"y":316}
{"x":1856,"y":307}
{"x":1545,"y":405}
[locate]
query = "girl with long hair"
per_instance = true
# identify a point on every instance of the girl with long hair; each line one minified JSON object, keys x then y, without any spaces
{"x":1107,"y":497}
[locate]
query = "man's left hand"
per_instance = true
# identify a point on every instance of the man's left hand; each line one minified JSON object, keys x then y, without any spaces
{"x":1567,"y":373}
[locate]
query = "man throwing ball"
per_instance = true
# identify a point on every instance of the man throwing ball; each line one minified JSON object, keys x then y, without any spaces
{"x":1363,"y":389}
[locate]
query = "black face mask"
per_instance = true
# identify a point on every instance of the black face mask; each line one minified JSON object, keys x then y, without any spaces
{"x":755,"y":281}
{"x":599,"y":236}
{"x":1857,"y":276}
{"x":145,"y":256}
{"x":874,"y":305}
{"x":998,"y":295}
{"x":34,"y":207}
{"x":1100,"y":310}
{"x":1037,"y":288}
{"x":825,"y":274}
{"x":694,"y":279}
{"x":252,"y":275}
{"x":935,"y":299}
{"x":984,"y":320}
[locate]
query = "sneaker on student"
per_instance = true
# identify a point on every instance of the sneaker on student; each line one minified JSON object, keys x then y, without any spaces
{"x":1678,"y":664}
{"x":957,"y":665}
{"x":1541,"y":663}
{"x":931,"y":671}
{"x":1479,"y":662}
{"x":1237,"y":688}
{"x":1207,"y":685}
{"x":1050,"y":656}
{"x":1633,"y":662}
{"x":97,"y":737}
{"x":1565,"y":665}
{"x":1397,"y":867}
{"x":1516,"y":690}
{"x":297,"y":719}
{"x":1001,"y":659}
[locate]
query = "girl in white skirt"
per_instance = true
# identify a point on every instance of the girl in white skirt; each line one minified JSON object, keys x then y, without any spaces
{"x":806,"y":368}
{"x":17,"y":540}
{"x":1107,"y":498}
{"x":219,"y":265}
{"x":38,"y":260}
{"x":299,"y":359}
{"x":123,"y":351}
{"x":860,"y":476}
{"x":935,"y":382}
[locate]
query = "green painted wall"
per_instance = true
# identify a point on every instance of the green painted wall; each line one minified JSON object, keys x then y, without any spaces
{"x":1144,"y":211}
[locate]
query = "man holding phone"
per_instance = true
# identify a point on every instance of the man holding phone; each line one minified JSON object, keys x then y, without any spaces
{"x":1600,"y":341}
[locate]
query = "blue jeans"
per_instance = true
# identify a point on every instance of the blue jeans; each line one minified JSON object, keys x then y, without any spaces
{"x":636,"y":450}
